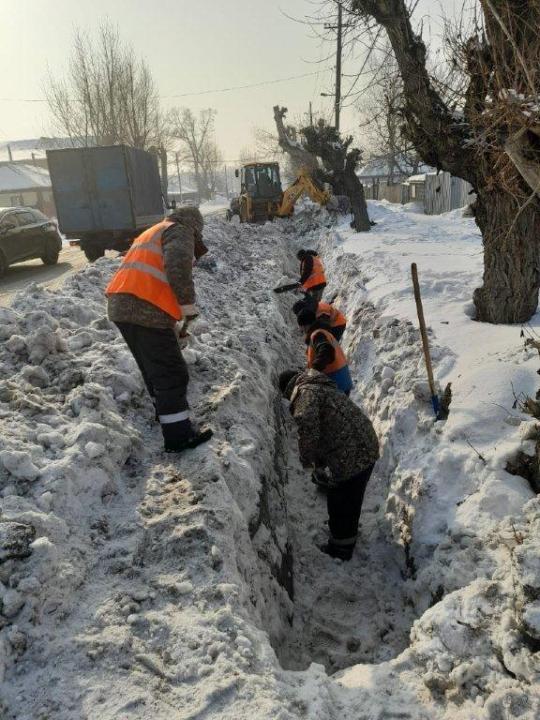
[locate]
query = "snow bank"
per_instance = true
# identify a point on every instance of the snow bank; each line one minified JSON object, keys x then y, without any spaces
{"x":469,"y":529}
{"x":137,"y":585}
{"x":126,"y":570}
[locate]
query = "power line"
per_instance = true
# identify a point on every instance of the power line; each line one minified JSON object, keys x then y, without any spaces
{"x":243,"y":87}
{"x":200,"y":92}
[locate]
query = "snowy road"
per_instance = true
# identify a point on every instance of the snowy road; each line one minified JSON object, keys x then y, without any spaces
{"x":19,"y":276}
{"x":71,"y":260}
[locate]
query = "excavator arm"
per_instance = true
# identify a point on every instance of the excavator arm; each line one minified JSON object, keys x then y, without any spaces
{"x":303,"y":184}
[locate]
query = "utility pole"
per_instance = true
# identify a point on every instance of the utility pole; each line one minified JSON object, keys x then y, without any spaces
{"x":179,"y":178}
{"x":226,"y":182}
{"x":338,"y":64}
{"x":164,"y":173}
{"x":339,"y":53}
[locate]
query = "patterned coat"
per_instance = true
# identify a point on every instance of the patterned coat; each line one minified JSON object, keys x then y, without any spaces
{"x":332,"y":431}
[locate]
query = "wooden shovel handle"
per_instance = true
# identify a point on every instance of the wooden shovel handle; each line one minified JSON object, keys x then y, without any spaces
{"x":423,"y":331}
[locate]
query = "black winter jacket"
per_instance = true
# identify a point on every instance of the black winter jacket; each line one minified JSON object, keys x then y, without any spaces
{"x":324,"y":351}
{"x":306,"y":265}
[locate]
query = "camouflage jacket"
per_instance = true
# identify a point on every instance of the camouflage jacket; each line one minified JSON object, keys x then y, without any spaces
{"x":181,"y":243}
{"x":332,"y":431}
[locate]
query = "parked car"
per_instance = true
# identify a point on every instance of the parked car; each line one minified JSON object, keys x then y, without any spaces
{"x":26,"y":234}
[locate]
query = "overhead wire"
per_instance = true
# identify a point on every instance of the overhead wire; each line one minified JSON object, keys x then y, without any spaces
{"x":201,"y":92}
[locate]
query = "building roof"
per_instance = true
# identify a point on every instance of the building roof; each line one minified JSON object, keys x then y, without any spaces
{"x":175,"y":189}
{"x":417,"y":178}
{"x":23,"y":177}
{"x":380,"y":167}
{"x":23,"y":149}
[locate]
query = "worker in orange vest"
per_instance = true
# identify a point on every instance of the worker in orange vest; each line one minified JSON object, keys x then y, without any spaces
{"x":324,"y":352}
{"x":312,"y":277}
{"x":152,"y":291}
{"x":325,"y":312}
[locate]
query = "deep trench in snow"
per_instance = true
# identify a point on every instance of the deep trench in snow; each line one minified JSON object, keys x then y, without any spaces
{"x":154,"y":576}
{"x":343,"y":613}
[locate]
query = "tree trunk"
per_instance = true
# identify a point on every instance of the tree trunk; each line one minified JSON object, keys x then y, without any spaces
{"x":355,"y":192}
{"x":511,"y":258}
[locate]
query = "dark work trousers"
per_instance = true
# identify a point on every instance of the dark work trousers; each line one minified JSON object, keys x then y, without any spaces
{"x":164,"y":370}
{"x":338,"y":331}
{"x":344,"y":502}
{"x":316,"y":293}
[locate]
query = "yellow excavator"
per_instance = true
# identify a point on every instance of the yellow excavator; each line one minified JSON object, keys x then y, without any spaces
{"x":262,"y":198}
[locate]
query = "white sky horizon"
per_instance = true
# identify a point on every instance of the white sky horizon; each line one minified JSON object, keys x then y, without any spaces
{"x":189,"y":49}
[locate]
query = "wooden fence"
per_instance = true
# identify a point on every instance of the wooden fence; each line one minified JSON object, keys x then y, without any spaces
{"x":444,"y":193}
{"x":440,"y":192}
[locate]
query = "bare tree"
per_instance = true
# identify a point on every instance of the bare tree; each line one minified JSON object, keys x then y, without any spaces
{"x":382,"y":119}
{"x":329,"y":158}
{"x":108,"y":96}
{"x":211,"y":162}
{"x":196,"y":136}
{"x":501,"y":60}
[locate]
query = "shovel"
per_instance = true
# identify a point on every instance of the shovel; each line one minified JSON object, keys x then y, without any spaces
{"x":425,"y":343}
{"x":287,"y":288}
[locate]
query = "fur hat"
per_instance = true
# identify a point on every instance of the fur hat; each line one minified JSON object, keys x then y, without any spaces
{"x":189,"y":215}
{"x":306,"y":317}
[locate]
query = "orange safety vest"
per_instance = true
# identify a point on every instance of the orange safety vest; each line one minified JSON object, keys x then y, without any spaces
{"x":340,"y":360}
{"x":337,"y":318}
{"x":317,"y":274}
{"x":142,"y":272}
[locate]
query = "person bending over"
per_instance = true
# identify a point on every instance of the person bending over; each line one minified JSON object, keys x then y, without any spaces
{"x":326,"y":312}
{"x":312,"y":277}
{"x":324,"y":352}
{"x":150,"y":292}
{"x":333,"y":432}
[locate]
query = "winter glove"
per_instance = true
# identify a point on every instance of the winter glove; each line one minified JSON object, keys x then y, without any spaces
{"x":190,"y":312}
{"x":200,"y":248}
{"x":320,"y":477}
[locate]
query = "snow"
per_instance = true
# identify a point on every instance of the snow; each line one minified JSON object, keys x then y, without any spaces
{"x":218,"y":203}
{"x":380,"y":167}
{"x":23,"y":177}
{"x":138,"y":585}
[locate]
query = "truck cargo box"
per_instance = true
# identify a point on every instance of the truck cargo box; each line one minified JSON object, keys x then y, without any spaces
{"x":105,"y":189}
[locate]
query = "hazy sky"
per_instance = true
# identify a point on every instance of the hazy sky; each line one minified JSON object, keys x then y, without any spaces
{"x":190,"y":46}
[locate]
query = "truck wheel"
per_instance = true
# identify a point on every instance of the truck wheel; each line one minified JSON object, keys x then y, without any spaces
{"x":50,"y":257}
{"x":3,"y":264}
{"x":93,"y":253}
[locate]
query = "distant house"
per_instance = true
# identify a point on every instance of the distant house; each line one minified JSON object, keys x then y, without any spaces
{"x":416,"y":185}
{"x":382,"y":183}
{"x":26,"y":185}
{"x":379,"y":169}
{"x":187,"y":196}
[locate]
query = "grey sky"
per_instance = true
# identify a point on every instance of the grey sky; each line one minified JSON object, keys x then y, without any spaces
{"x":190,"y":45}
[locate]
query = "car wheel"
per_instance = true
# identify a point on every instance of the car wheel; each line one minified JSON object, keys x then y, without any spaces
{"x":3,"y":264}
{"x":93,"y":253}
{"x":51,"y":254}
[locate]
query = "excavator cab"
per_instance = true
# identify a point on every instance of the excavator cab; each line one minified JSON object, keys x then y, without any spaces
{"x":261,"y":180}
{"x":260,"y":192}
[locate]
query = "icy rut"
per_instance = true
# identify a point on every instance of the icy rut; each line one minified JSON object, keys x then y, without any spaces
{"x":138,"y":586}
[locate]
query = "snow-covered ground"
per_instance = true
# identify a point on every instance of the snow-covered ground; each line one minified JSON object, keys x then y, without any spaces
{"x":137,"y":585}
{"x":214,"y":207}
